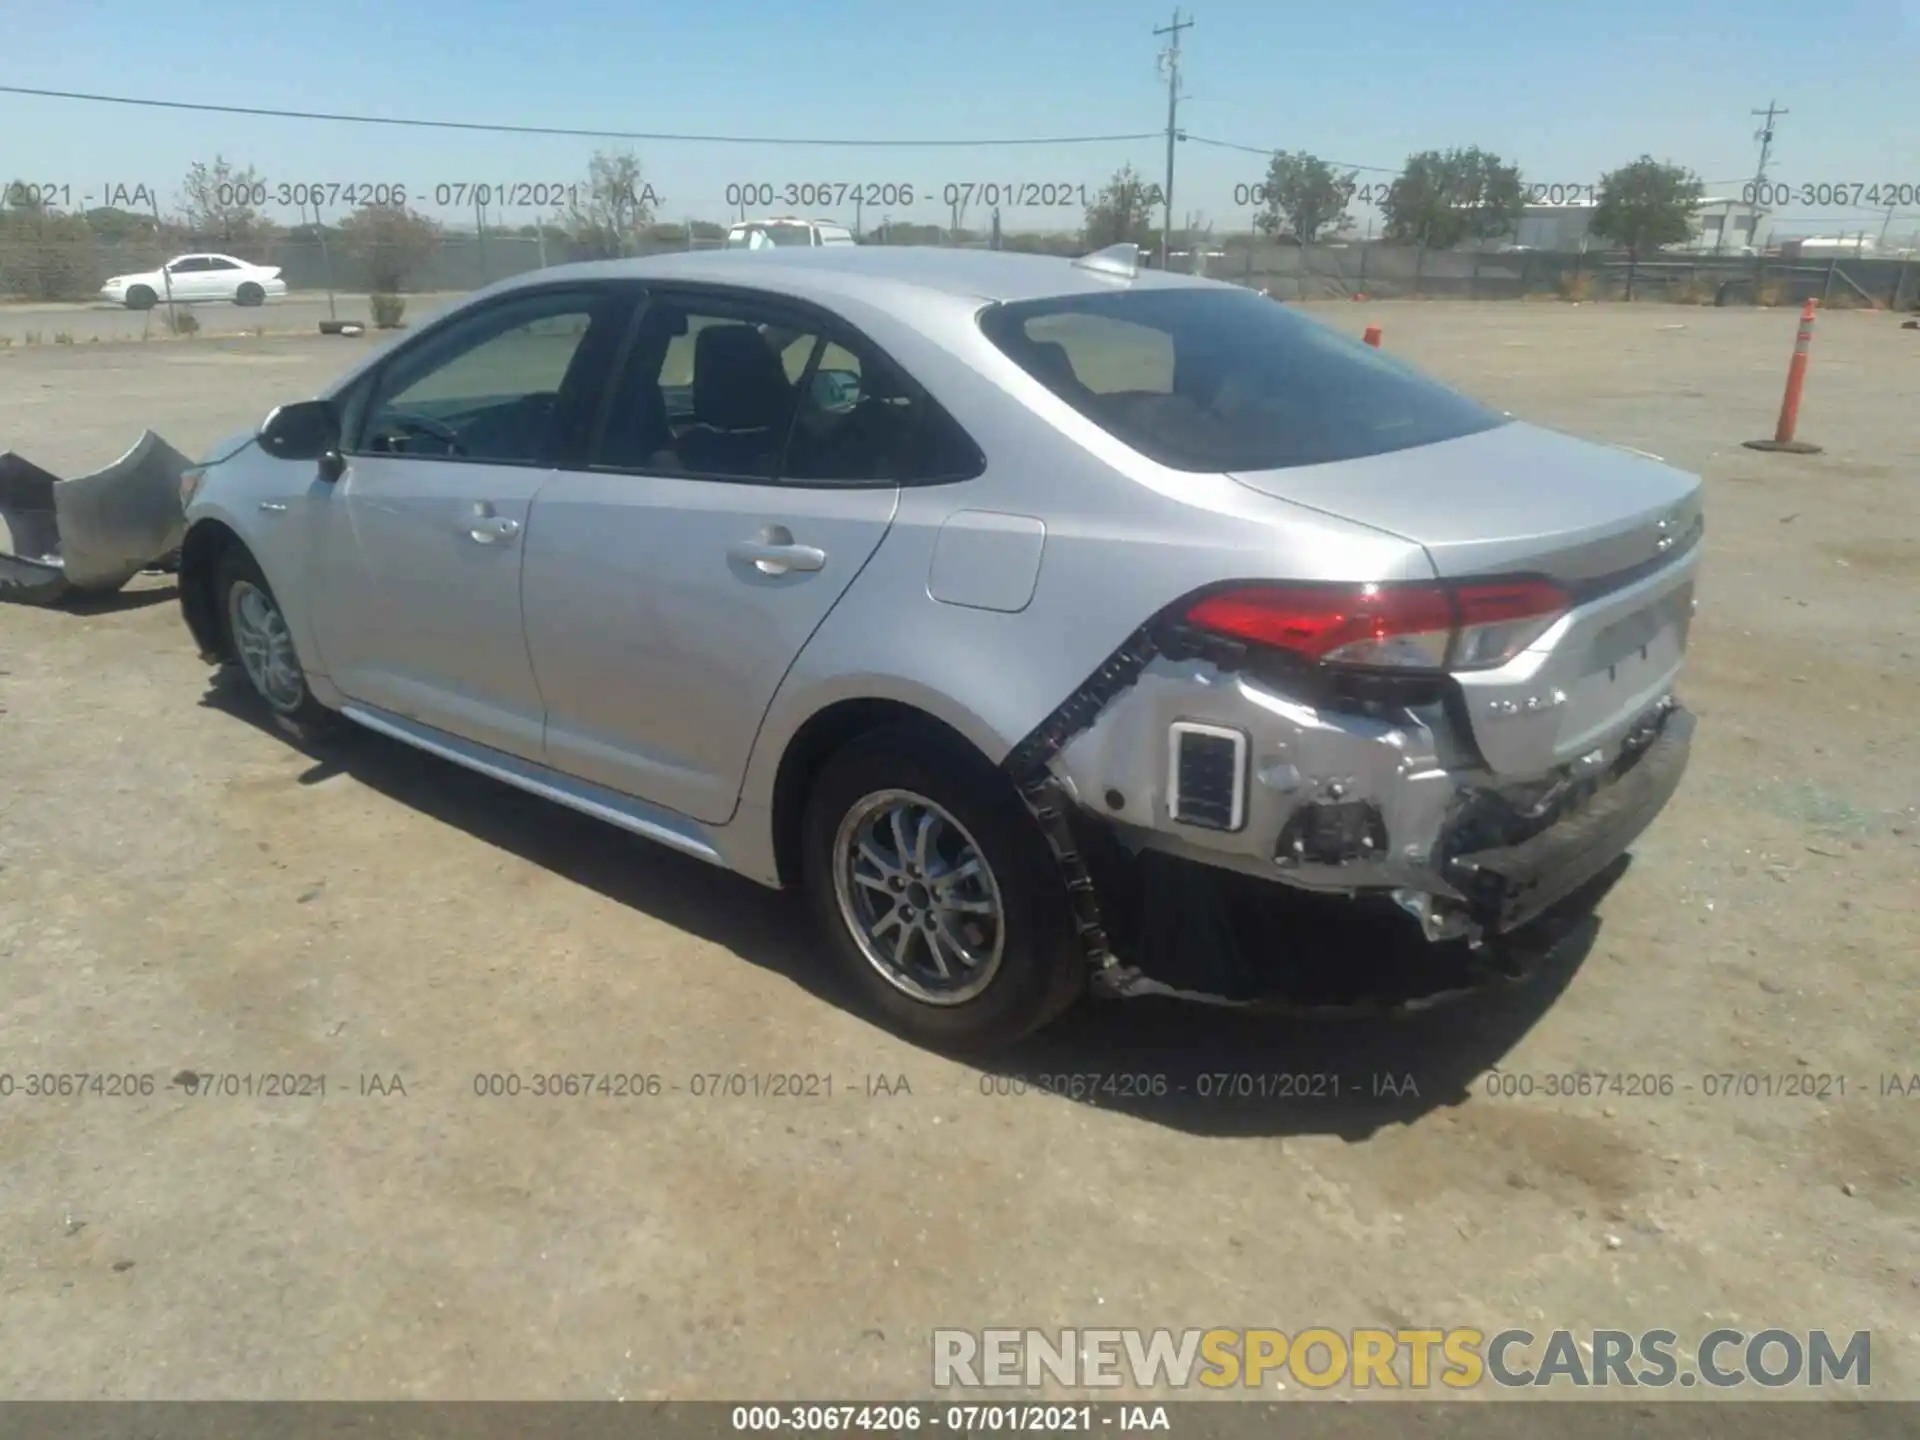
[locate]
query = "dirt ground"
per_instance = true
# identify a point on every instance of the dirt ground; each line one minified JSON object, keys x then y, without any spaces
{"x":182,"y":890}
{"x":60,"y":324}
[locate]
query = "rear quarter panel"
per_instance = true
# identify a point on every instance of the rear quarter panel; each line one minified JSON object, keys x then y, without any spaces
{"x":1124,"y":538}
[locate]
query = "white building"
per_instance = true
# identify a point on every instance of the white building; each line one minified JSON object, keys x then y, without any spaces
{"x":1726,"y":227}
{"x":1561,"y":228}
{"x":1819,"y":247}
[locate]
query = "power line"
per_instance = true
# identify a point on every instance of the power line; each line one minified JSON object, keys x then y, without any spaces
{"x":1269,"y":150}
{"x":498,"y":129}
{"x":406,"y":122}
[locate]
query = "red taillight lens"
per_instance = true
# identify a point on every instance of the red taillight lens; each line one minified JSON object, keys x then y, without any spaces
{"x":1423,"y":627}
{"x":1405,"y":625}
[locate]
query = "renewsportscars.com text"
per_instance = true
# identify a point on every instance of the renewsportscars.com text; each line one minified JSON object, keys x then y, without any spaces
{"x":1458,"y":1359}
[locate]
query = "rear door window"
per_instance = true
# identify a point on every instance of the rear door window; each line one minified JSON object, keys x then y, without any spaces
{"x":747,"y":389}
{"x":1214,"y":380}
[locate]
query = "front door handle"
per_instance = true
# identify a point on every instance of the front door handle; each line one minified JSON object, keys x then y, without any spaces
{"x":492,"y":529}
{"x":772,"y":559}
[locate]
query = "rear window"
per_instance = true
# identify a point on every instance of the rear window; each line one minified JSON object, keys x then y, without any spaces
{"x":1206,"y":380}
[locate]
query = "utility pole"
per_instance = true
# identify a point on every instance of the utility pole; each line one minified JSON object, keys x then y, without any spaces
{"x":1765,"y":136}
{"x":1170,"y":58}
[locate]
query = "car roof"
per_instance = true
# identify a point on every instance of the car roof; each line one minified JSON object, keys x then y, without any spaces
{"x":870,"y":271}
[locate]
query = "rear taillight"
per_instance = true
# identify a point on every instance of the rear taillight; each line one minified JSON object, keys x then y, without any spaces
{"x":1396,"y":626}
{"x":1337,"y":625}
{"x":1499,"y":619}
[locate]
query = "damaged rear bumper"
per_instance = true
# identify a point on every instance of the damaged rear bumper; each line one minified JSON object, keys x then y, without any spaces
{"x":1382,"y":801}
{"x":1343,"y":802}
{"x":1507,"y":886}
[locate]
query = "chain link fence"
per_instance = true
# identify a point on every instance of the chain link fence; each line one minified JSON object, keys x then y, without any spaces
{"x":49,"y":256}
{"x":1381,"y":271}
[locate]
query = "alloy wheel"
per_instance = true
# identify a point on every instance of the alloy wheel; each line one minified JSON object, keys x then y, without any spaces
{"x":265,"y":644}
{"x":918,"y":897}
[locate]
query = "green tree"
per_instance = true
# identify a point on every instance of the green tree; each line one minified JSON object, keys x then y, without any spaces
{"x":1442,"y":198}
{"x":111,"y":223}
{"x":389,"y":243}
{"x":220,"y":204}
{"x":607,"y":216}
{"x":1123,"y":212}
{"x":1645,"y":205}
{"x":1303,"y":196}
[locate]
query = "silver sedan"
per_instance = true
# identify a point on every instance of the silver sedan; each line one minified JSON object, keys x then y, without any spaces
{"x":983,"y":596}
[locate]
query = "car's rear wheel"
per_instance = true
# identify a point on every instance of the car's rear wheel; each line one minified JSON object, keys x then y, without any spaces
{"x":937,"y":893}
{"x":260,"y":641}
{"x":249,"y":293}
{"x":141,"y":297}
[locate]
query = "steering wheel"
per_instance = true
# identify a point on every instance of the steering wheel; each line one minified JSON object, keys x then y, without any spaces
{"x":412,"y":423}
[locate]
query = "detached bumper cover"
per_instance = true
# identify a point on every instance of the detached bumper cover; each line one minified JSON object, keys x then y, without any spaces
{"x":1507,"y":887}
{"x":92,"y":534}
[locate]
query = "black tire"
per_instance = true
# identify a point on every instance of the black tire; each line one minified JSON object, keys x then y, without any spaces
{"x":304,"y":718}
{"x":249,"y":293}
{"x":1041,"y":972}
{"x":141,"y":297}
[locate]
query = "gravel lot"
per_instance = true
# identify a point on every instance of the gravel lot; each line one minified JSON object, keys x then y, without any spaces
{"x":181,"y":890}
{"x":41,"y":324}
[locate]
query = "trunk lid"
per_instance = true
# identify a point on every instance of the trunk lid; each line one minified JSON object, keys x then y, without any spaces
{"x":1615,"y":529}
{"x":1516,"y":498}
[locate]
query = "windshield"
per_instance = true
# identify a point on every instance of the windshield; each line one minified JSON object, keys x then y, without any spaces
{"x":1211,"y":380}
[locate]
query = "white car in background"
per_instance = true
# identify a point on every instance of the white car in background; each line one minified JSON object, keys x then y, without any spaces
{"x":197,"y":277}
{"x":786,"y":230}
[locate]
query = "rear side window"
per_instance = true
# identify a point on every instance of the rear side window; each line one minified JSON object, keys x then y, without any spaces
{"x":1208,"y":380}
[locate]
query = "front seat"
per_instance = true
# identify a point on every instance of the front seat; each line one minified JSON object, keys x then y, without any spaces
{"x":742,"y":402}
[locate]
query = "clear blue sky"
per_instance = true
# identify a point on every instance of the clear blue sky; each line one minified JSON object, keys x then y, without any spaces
{"x":1565,"y":91}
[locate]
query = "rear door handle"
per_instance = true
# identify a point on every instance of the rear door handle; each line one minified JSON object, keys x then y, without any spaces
{"x":771,"y":559}
{"x":491,"y":529}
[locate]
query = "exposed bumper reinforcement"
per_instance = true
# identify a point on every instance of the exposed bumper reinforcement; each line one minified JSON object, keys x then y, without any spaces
{"x":1508,"y":886}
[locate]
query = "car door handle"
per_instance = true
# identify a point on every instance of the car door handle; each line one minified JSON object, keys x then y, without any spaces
{"x":771,"y":559}
{"x":273,"y":507}
{"x":491,"y":529}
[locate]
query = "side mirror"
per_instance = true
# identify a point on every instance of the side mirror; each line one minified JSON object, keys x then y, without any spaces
{"x":304,"y":430}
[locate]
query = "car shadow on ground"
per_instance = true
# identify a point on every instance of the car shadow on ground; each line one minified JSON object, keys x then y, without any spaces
{"x":1202,"y":1069}
{"x":119,"y":600}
